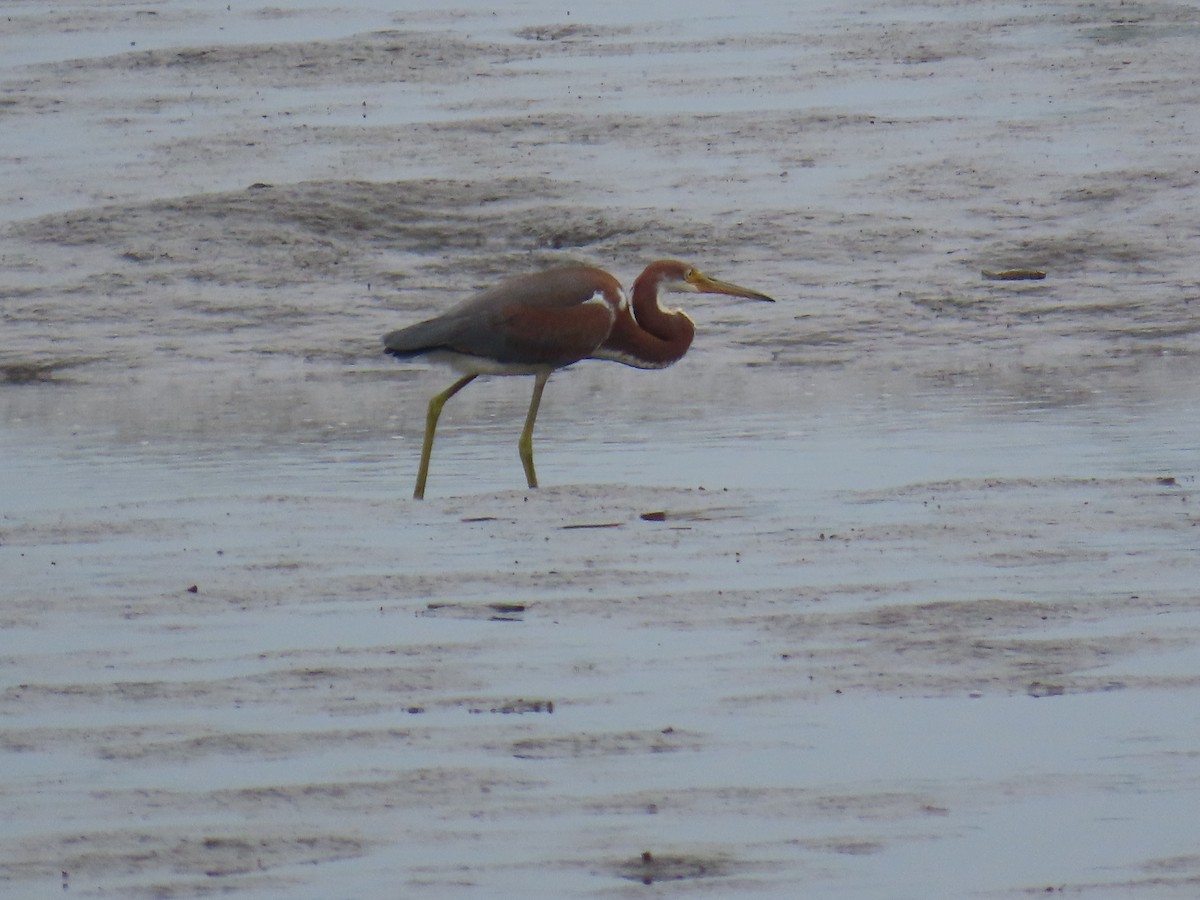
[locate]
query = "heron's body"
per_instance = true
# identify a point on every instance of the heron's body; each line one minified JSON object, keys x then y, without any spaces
{"x":534,"y":324}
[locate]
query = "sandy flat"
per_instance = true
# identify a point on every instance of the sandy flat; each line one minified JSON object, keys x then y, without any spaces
{"x":888,"y":590}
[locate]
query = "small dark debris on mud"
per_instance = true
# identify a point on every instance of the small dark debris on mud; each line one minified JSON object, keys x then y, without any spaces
{"x":649,"y":868}
{"x":1014,"y":275}
{"x":493,"y":612}
{"x":516,"y":707}
{"x":31,"y":372}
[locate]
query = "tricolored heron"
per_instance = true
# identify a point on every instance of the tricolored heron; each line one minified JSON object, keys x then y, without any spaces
{"x":534,"y":324}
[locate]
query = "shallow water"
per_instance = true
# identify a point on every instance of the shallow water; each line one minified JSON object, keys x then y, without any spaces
{"x":717,"y":668}
{"x":886,"y":590}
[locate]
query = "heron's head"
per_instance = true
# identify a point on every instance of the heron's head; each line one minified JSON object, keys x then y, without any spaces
{"x":679,"y":276}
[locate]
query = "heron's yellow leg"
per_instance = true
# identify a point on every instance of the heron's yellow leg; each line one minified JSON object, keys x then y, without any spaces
{"x":525,"y":445}
{"x":431,"y":420}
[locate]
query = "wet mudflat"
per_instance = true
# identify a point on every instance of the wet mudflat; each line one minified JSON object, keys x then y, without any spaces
{"x":888,"y":590}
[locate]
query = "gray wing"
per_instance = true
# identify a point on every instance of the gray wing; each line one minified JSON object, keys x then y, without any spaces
{"x":549,"y":318}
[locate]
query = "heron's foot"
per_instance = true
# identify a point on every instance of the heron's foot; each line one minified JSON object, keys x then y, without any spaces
{"x":525,"y":445}
{"x":432,"y":414}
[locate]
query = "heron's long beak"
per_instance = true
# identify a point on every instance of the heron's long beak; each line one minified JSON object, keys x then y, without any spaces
{"x":706,"y":285}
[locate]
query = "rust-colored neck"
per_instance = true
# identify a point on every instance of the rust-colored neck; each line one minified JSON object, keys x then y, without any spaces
{"x":650,"y":337}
